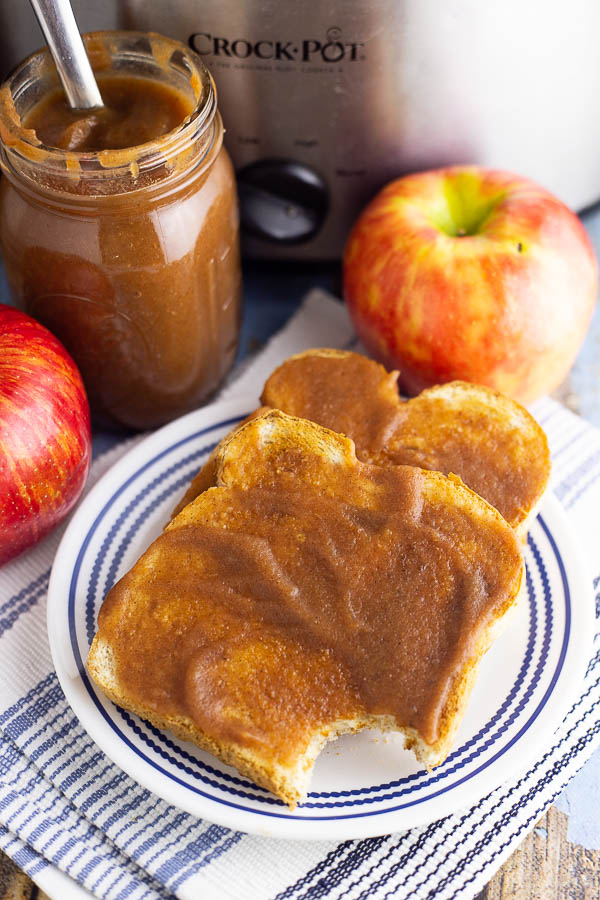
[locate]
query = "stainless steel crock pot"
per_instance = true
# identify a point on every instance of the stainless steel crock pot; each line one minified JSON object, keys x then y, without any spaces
{"x":325,"y":102}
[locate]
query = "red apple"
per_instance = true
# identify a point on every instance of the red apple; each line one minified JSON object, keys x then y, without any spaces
{"x":45,"y":439}
{"x":474,"y":274}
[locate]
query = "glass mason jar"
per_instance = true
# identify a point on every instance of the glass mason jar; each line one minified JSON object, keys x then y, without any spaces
{"x":131,"y":257}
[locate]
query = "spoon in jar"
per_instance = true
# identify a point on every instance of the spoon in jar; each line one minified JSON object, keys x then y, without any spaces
{"x":58,"y":23}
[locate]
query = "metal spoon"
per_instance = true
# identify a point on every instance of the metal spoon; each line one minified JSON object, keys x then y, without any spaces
{"x":64,"y":41}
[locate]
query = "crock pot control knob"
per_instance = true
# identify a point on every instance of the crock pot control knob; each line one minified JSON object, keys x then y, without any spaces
{"x":282,"y":201}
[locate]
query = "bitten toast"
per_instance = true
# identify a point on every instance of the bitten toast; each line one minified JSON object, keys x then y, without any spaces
{"x":305,"y":595}
{"x":489,"y":441}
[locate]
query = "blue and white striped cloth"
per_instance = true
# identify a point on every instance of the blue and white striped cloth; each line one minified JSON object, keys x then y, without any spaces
{"x":79,"y":826}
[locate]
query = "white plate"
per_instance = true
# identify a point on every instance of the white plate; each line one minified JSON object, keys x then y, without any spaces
{"x":365,"y":784}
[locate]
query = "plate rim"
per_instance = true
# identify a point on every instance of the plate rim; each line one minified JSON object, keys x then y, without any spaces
{"x":284,"y":825}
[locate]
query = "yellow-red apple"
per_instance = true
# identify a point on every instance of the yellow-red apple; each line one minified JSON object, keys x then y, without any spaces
{"x":45,"y":438}
{"x":471,"y":273}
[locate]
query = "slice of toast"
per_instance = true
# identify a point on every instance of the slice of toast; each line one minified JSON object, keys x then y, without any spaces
{"x":487,"y":440}
{"x":305,"y":595}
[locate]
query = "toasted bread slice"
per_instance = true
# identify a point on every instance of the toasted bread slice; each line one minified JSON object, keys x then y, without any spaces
{"x":305,"y":595}
{"x":488,"y":440}
{"x":474,"y":433}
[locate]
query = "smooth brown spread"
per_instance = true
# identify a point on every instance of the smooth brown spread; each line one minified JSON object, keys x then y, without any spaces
{"x":136,"y":110}
{"x":505,"y":460}
{"x":307,"y":589}
{"x":136,"y":271}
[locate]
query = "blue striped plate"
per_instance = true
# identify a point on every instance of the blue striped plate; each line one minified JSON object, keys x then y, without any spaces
{"x":365,"y":784}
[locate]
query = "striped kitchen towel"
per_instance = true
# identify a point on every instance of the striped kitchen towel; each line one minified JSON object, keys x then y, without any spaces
{"x":79,"y":826}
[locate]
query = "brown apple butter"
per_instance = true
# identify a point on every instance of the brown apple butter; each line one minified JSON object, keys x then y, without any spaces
{"x":119,"y":226}
{"x":308,"y":588}
{"x":136,"y":110}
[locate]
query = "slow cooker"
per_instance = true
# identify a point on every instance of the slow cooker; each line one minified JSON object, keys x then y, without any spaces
{"x":325,"y":102}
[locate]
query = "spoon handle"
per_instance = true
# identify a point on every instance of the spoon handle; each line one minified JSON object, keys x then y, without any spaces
{"x":68,"y":52}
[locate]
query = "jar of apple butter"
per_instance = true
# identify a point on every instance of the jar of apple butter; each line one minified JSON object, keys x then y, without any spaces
{"x":119,"y":226}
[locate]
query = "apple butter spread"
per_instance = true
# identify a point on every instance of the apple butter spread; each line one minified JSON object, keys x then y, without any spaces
{"x":490,"y":442}
{"x":136,"y":110}
{"x":119,"y":226}
{"x":494,"y":445}
{"x":306,"y":590}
